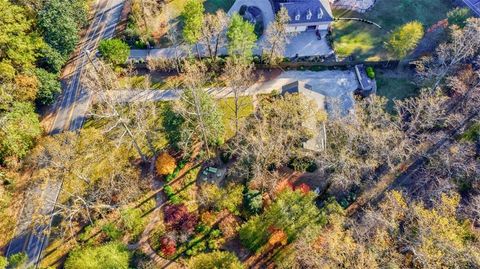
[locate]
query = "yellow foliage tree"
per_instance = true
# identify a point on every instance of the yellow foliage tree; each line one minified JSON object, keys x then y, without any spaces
{"x":165,"y":164}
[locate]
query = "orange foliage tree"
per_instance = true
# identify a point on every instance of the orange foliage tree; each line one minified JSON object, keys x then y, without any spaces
{"x":165,"y":164}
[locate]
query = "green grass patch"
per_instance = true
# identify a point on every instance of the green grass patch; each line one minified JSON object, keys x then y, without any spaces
{"x":227,"y":106}
{"x":472,"y":133}
{"x":212,"y":6}
{"x":395,"y":88}
{"x":139,"y":83}
{"x":366,"y":42}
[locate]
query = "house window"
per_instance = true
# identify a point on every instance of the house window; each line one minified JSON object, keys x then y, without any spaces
{"x":309,"y":14}
{"x":297,"y":17}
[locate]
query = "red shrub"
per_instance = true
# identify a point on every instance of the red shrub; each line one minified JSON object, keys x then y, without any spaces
{"x":168,"y":246}
{"x":178,"y":217}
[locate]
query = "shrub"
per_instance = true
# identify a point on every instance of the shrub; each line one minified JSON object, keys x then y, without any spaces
{"x":253,"y":201}
{"x":459,"y":16}
{"x":303,"y":164}
{"x":168,"y":246}
{"x":370,"y":72}
{"x":168,"y":190}
{"x":111,"y":231}
{"x":114,"y":51}
{"x":112,"y":255}
{"x":18,"y":260}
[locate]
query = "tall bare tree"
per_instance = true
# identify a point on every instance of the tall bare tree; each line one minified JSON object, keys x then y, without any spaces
{"x":202,"y":119}
{"x":277,"y":37}
{"x":101,"y":80}
{"x":238,"y":76}
{"x":463,"y":44}
{"x":146,"y":15}
{"x":212,"y":34}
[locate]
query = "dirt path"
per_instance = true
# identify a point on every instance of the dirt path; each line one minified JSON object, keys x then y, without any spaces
{"x":143,"y":243}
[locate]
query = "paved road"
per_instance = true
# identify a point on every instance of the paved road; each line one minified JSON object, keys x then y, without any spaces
{"x":474,"y":5}
{"x":31,"y":236}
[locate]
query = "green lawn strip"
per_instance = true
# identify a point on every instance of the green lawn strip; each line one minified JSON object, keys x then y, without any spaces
{"x":226,"y":107}
{"x":138,"y":83}
{"x":367,"y":41}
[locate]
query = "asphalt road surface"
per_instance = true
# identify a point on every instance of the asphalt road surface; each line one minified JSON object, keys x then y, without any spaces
{"x":474,"y":5}
{"x":31,"y":235}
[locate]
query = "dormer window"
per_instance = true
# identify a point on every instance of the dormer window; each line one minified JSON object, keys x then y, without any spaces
{"x":297,"y":16}
{"x":309,"y":14}
{"x":320,"y":13}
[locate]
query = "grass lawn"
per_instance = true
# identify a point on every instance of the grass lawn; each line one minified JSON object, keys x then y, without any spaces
{"x":212,"y":6}
{"x":157,"y":82}
{"x":366,"y":41}
{"x":395,"y":86}
{"x":226,"y":107}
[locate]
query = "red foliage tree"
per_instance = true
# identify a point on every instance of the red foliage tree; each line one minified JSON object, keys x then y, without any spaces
{"x":178,"y":217}
{"x":304,"y":188}
{"x":168,"y":246}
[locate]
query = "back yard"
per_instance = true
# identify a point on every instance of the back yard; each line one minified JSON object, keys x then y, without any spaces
{"x":395,"y":86}
{"x":366,"y":42}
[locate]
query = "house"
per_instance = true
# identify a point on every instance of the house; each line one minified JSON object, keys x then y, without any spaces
{"x":319,"y":140}
{"x":306,"y":14}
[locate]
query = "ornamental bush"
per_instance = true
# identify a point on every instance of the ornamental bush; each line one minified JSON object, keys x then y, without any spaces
{"x":114,"y":51}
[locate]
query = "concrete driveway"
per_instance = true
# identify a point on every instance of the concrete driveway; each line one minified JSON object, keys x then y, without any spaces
{"x":307,"y":44}
{"x":263,"y":5}
{"x":337,"y":86}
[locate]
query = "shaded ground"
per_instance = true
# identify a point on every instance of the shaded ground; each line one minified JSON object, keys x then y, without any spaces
{"x":366,"y":41}
{"x":395,"y":86}
{"x":307,"y":44}
{"x":212,"y":6}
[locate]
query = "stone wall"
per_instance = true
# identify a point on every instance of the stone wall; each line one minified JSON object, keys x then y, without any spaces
{"x":355,"y":5}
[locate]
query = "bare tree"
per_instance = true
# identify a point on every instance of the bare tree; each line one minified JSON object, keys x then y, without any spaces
{"x":270,"y":138}
{"x":202,"y":120}
{"x":146,"y":15}
{"x":463,"y":44}
{"x":212,"y":35}
{"x":175,"y":37}
{"x":102,"y":80}
{"x":239,"y":77}
{"x":277,"y":37}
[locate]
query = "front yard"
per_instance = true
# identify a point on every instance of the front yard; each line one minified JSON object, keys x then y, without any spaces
{"x":366,"y":42}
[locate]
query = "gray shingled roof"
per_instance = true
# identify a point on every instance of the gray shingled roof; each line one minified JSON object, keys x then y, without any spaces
{"x":304,"y":11}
